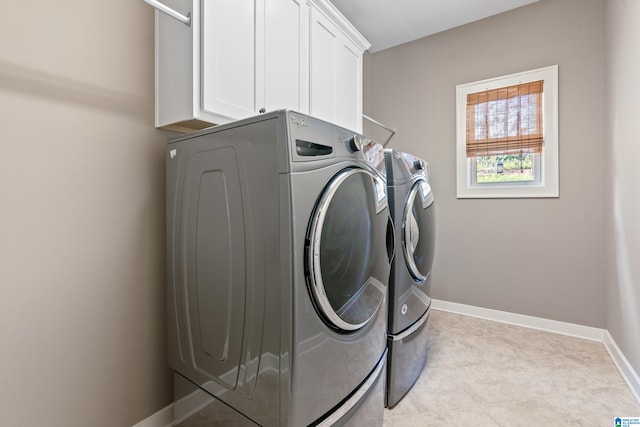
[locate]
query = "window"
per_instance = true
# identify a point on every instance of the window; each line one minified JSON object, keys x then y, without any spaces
{"x":507,"y":142}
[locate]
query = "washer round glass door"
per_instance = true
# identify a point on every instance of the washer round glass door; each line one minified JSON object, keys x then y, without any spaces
{"x":418,"y":230}
{"x":347,"y":258}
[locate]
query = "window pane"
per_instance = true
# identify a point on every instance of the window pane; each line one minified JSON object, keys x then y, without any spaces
{"x":529,"y":115}
{"x":510,"y":117}
{"x":497,"y":118}
{"x":515,"y":168}
{"x":513,"y":116}
{"x":481,"y":122}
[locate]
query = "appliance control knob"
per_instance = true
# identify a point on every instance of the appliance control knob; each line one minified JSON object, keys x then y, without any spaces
{"x":357,"y":142}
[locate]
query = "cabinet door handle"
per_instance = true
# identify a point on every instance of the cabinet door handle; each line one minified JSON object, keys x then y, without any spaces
{"x":186,"y":20}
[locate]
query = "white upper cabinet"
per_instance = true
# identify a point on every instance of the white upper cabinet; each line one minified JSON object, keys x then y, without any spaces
{"x":336,"y":72}
{"x":286,"y":55}
{"x":230,"y":45}
{"x":243,"y":57}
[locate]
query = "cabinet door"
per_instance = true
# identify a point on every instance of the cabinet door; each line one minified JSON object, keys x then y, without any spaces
{"x":286,"y":61}
{"x":229,"y":64}
{"x":335,"y":74}
{"x":349,"y":86}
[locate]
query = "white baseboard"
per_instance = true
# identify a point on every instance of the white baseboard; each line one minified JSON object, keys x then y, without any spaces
{"x":563,"y":328}
{"x":162,"y":418}
{"x":623,"y":365}
{"x":555,"y":326}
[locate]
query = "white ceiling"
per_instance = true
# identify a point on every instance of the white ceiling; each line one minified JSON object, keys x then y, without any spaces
{"x":388,"y":23}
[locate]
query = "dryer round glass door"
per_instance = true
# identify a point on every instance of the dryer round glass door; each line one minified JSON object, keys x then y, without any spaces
{"x":418,"y":230}
{"x":347,"y":257}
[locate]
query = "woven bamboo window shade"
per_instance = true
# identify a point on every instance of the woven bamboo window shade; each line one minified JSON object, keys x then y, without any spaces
{"x":505,"y":121}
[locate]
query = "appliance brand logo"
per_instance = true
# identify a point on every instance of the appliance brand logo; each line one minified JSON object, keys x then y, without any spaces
{"x":299,"y":122}
{"x":627,"y":421}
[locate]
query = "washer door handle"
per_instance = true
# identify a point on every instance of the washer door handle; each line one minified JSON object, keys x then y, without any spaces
{"x":391,"y":239}
{"x":411,"y":227}
{"x":411,"y":233}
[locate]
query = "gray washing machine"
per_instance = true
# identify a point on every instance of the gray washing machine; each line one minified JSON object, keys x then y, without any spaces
{"x":279,"y":243}
{"x":412,"y":210}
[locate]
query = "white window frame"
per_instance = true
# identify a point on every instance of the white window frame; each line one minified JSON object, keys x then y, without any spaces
{"x":547,"y":182}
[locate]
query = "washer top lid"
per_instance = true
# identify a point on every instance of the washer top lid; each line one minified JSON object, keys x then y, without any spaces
{"x":403,"y":167}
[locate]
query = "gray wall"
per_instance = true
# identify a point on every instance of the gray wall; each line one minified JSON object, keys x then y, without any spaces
{"x":82,"y":216}
{"x":539,"y":257}
{"x":623,"y":232}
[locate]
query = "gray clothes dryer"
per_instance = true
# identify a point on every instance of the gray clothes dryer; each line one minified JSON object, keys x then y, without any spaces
{"x":279,"y":249}
{"x":412,"y":210}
